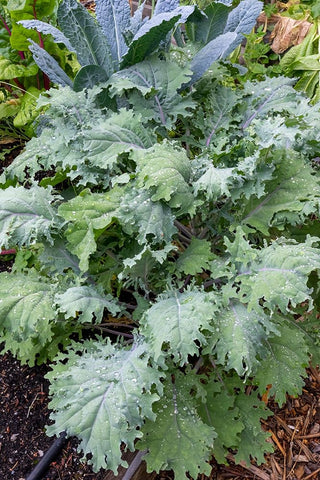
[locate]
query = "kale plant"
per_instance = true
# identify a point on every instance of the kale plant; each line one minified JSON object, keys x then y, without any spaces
{"x":186,"y":213}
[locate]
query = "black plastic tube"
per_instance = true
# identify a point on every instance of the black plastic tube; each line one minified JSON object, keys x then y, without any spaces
{"x":48,"y":457}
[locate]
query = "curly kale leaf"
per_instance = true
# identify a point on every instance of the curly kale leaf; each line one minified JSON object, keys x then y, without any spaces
{"x":102,"y":393}
{"x":180,"y":430}
{"x":184,"y":317}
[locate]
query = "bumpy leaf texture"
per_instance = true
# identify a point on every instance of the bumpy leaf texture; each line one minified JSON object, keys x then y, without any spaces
{"x":85,"y":302}
{"x":279,"y":276}
{"x":114,"y":18}
{"x":284,"y":367}
{"x":26,"y":215}
{"x":148,"y":220}
{"x":158,"y":81}
{"x":218,"y":410}
{"x":240,"y":337}
{"x":181,"y":441}
{"x":183,"y":318}
{"x":27,"y":313}
{"x":102,"y":395}
{"x":88,"y":213}
{"x":169,"y":182}
{"x":283,"y":202}
{"x":196,"y":257}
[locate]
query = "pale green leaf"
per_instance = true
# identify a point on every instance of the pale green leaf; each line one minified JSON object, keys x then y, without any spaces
{"x":102,"y":394}
{"x":10,"y":70}
{"x":165,"y":170}
{"x":84,"y":302}
{"x":87,"y":213}
{"x":279,"y":275}
{"x":158,"y":82}
{"x":57,"y":258}
{"x":195,"y":258}
{"x":139,"y":215}
{"x":122,"y":132}
{"x":292,"y":195}
{"x":183,"y":318}
{"x":240,"y":337}
{"x":180,"y":441}
{"x":27,"y":313}
{"x":285,"y":366}
{"x":215,"y":182}
{"x":26,"y":215}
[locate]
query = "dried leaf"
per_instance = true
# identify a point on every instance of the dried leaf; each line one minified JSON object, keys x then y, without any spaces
{"x":288,"y":32}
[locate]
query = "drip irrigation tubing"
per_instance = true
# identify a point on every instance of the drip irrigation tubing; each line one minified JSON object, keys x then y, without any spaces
{"x":44,"y":464}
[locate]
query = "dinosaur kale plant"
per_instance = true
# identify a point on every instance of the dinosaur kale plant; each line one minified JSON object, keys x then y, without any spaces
{"x":114,"y":40}
{"x":180,"y":226}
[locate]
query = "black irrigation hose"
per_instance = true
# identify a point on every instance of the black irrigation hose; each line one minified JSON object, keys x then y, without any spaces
{"x":55,"y":449}
{"x":45,"y":461}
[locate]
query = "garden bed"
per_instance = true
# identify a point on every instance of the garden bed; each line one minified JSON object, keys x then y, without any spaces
{"x":23,"y":442}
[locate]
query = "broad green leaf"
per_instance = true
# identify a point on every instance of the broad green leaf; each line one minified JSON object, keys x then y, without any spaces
{"x":165,"y":170}
{"x":183,"y":318}
{"x":85,"y":35}
{"x":279,"y":275}
{"x":87,"y":213}
{"x":217,"y":112}
{"x":218,"y":410}
{"x":181,"y":441}
{"x":26,"y":313}
{"x":10,"y":70}
{"x":28,"y":108}
{"x":84,"y":302}
{"x":114,"y":18}
{"x":195,"y":258}
{"x":284,"y":368}
{"x":290,"y":197}
{"x":102,"y":394}
{"x":121,"y":132}
{"x":158,"y":81}
{"x":240,"y":337}
{"x":26,"y":215}
{"x":146,"y":219}
{"x":269,"y":96}
{"x":43,"y":8}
